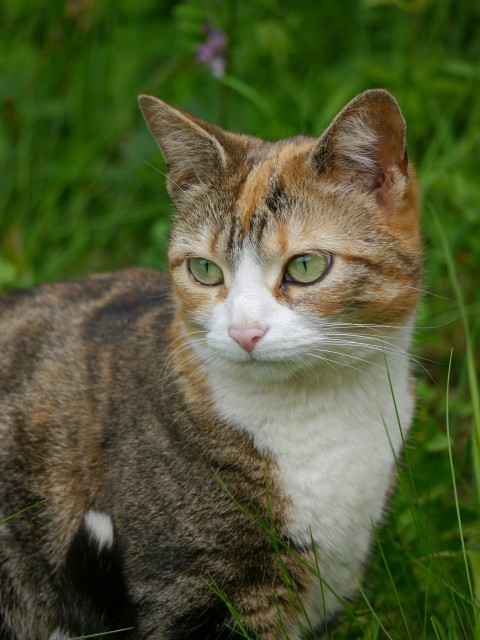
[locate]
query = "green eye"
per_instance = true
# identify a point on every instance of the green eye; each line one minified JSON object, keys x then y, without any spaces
{"x":204,"y":271}
{"x":307,"y":269}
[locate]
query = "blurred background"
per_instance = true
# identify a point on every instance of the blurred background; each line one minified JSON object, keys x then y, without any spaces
{"x":82,"y":190}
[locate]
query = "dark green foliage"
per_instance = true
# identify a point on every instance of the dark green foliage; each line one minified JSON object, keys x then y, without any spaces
{"x":82,"y":190}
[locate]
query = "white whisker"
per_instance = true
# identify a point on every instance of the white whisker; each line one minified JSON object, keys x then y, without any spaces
{"x":163,"y":174}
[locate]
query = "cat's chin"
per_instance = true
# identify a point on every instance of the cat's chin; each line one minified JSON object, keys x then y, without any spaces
{"x":269,"y":372}
{"x":261,"y":370}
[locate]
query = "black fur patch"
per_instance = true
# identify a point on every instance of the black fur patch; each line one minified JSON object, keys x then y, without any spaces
{"x":204,"y":624}
{"x":276,"y":199}
{"x":93,"y":596}
{"x":4,"y":633}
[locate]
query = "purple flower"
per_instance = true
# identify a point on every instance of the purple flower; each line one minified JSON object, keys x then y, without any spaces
{"x":212,"y":51}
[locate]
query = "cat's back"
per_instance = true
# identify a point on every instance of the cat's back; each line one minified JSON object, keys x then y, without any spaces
{"x":130,"y":291}
{"x":89,"y":313}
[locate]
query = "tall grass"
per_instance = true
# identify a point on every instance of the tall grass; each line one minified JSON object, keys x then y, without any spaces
{"x":82,"y":190}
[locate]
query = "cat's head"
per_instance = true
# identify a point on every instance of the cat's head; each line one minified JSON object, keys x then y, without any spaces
{"x":292,"y":254}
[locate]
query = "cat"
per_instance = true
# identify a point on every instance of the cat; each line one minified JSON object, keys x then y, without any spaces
{"x":205,"y":454}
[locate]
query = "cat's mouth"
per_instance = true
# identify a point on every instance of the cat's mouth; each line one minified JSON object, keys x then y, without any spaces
{"x":259,"y":365}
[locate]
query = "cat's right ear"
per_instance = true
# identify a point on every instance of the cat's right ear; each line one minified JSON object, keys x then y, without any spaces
{"x":364,"y":148}
{"x":192,"y":148}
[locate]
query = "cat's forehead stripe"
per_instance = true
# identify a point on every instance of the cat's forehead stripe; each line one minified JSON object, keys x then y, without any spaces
{"x":277,"y":195}
{"x":234,"y":240}
{"x":253,"y":192}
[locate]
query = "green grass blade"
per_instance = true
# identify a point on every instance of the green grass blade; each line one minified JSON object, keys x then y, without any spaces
{"x":19,"y":513}
{"x":392,"y":581}
{"x":454,"y":485}
{"x":471,"y":367}
{"x":474,"y":388}
{"x":373,"y":612}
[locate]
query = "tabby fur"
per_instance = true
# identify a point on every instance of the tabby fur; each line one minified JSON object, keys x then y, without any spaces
{"x":177,"y":473}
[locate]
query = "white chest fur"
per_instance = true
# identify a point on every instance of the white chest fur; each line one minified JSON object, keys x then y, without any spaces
{"x":332,"y":443}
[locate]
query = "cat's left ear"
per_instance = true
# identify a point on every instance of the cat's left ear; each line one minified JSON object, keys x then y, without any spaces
{"x":192,"y":148}
{"x":365,"y":148}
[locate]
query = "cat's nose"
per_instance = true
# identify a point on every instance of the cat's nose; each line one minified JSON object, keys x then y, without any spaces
{"x":247,"y":338}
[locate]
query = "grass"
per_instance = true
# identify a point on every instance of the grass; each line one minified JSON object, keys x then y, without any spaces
{"x":19,"y":513}
{"x":81,"y":192}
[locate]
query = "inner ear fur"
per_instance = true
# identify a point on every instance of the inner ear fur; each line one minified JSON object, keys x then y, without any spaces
{"x":192,"y":149}
{"x":365,"y":145}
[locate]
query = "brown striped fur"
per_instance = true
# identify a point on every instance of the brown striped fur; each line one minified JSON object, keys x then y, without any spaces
{"x":104,"y":405}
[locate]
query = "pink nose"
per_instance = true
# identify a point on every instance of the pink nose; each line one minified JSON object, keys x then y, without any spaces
{"x":247,"y":338}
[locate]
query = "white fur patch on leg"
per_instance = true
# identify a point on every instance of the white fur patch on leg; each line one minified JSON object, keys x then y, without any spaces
{"x":100,"y":528}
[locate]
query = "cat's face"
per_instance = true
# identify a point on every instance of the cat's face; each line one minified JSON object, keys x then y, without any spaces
{"x":287,"y":256}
